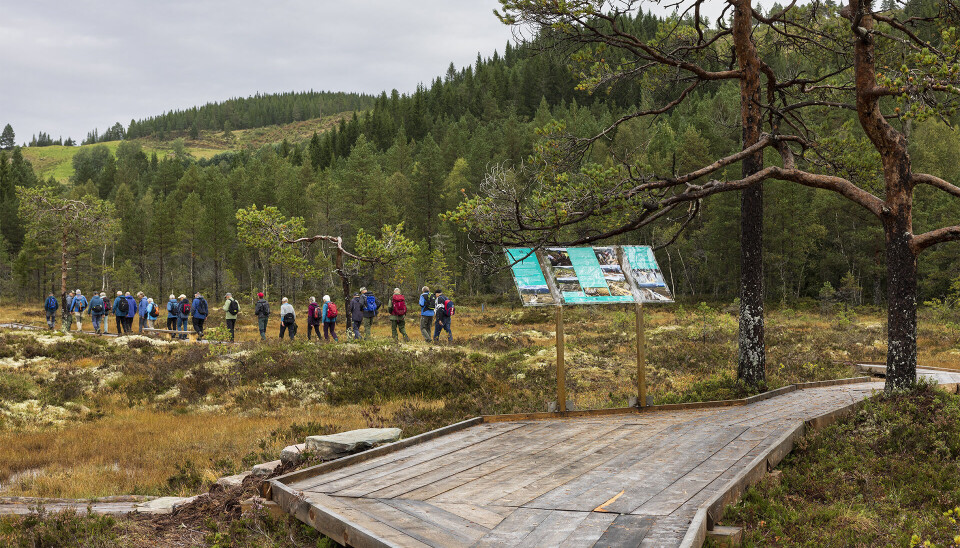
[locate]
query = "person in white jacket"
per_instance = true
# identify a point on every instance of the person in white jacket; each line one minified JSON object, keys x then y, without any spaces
{"x":288,"y":319}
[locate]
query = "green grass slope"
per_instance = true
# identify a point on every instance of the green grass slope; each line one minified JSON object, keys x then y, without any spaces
{"x":57,"y":161}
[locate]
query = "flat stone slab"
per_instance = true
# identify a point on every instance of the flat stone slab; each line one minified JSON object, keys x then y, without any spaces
{"x":266,"y":468}
{"x":345,"y":443}
{"x":162,"y":505}
{"x":229,"y":482}
{"x":293,"y":453}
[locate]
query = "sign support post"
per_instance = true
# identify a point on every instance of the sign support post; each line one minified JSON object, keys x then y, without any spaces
{"x":561,"y":373}
{"x":641,"y":358}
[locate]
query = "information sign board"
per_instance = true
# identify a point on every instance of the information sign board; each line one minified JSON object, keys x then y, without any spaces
{"x":588,"y":275}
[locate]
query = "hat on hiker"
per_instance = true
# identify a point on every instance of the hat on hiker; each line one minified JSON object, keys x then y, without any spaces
{"x":260,"y":295}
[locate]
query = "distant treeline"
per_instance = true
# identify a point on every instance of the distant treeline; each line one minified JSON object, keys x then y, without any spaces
{"x":249,"y":112}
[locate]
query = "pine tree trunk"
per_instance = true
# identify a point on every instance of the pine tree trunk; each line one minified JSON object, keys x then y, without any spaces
{"x":64,"y":266}
{"x":751,"y":361}
{"x":901,"y":307}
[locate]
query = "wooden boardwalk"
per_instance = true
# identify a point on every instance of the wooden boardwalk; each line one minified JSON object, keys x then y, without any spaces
{"x":634,"y":479}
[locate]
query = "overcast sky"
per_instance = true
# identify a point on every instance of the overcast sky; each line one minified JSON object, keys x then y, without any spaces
{"x":69,"y":67}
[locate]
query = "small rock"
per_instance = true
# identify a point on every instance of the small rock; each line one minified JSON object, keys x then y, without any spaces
{"x":266,"y":468}
{"x":293,"y":453}
{"x":229,"y":482}
{"x":350,"y":442}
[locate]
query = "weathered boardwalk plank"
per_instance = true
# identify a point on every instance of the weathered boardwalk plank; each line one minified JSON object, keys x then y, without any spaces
{"x":618,"y":480}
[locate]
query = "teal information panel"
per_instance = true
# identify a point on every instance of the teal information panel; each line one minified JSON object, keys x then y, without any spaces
{"x":528,"y":276}
{"x":588,"y":275}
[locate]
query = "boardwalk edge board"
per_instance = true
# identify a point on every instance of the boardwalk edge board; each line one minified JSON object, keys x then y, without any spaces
{"x":710,"y":511}
{"x":327,"y":522}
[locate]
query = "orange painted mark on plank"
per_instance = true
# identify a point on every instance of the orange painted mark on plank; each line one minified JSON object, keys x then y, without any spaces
{"x":609,"y":502}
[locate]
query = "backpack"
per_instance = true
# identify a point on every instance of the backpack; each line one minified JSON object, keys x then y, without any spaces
{"x":123,"y":306}
{"x":233,"y":307}
{"x":288,"y":318}
{"x":262,"y":309}
{"x":371,"y":305}
{"x":331,"y":310}
{"x":399,"y":305}
{"x":185,"y":308}
{"x":448,"y":307}
{"x":316,"y":312}
{"x":51,"y":303}
{"x":97,"y":308}
{"x":154,"y":311}
{"x":428,"y":302}
{"x":202,"y":307}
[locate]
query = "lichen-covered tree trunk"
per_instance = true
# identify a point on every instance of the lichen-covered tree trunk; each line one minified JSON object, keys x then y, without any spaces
{"x":751,"y":361}
{"x":901,"y":308}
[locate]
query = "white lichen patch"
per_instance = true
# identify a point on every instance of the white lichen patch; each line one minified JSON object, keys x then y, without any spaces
{"x":123,"y":341}
{"x":169,"y":395}
{"x":17,"y":363}
{"x":32,"y":413}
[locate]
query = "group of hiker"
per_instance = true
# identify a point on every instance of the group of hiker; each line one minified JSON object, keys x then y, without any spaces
{"x":125,"y":307}
{"x":436,"y":313}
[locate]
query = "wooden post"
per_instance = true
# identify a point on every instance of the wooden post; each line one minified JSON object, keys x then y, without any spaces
{"x":561,"y":374}
{"x":641,"y":358}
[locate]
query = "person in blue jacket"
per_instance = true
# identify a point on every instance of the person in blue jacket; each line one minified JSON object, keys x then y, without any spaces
{"x":78,"y":307}
{"x":427,"y":305}
{"x":96,"y":313}
{"x":329,"y":324}
{"x":131,"y":312}
{"x":119,"y":314}
{"x":172,"y":305}
{"x":50,"y":307}
{"x":142,"y":310}
{"x":200,"y":311}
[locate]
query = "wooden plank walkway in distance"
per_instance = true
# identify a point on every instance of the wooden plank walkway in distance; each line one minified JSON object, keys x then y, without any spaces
{"x":618,"y":480}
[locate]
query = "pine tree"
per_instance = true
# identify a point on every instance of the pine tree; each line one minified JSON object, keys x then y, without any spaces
{"x":7,"y":138}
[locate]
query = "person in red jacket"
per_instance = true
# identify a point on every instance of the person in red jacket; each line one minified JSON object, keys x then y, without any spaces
{"x":398,"y":313}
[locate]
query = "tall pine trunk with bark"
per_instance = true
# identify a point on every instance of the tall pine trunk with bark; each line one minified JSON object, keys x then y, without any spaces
{"x":751,"y":360}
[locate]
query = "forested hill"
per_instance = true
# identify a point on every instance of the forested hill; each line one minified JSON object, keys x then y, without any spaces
{"x":408,"y":158}
{"x":249,"y":112}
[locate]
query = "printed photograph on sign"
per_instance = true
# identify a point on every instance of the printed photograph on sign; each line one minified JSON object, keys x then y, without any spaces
{"x":649,"y":278}
{"x":606,"y":256}
{"x":620,"y":289}
{"x":558,"y":257}
{"x":536,"y":295}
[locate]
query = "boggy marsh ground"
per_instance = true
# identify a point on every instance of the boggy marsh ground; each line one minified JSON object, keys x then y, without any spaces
{"x":82,"y":416}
